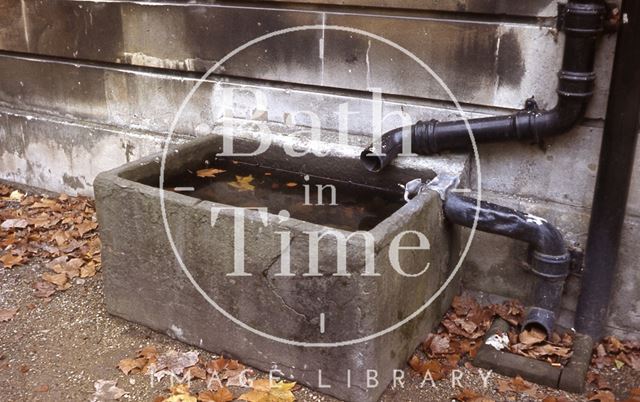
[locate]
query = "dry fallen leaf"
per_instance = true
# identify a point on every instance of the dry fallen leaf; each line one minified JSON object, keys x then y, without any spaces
{"x":14,"y":224}
{"x":181,"y":393}
{"x":57,"y":279}
{"x":243,"y":183}
{"x":6,"y":314}
{"x":221,"y":395}
{"x":439,"y":344}
{"x":431,"y":367}
{"x":41,"y":388}
{"x":269,"y":391}
{"x":212,"y":172}
{"x":128,"y":365}
{"x":603,"y":396}
{"x":88,"y":270}
{"x":85,"y":227}
{"x":43,"y":289}
{"x":9,"y":260}
{"x":107,"y":391}
{"x":532,"y":336}
{"x":467,"y":395}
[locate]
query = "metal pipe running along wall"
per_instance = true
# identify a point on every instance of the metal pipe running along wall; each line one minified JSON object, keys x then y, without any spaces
{"x":582,"y":23}
{"x":549,"y":258}
{"x":617,"y":155}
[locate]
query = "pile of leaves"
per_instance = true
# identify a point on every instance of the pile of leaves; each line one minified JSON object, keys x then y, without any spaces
{"x":614,"y":352}
{"x":213,"y":378}
{"x":61,"y":230}
{"x":461,"y":334}
{"x":532,"y":343}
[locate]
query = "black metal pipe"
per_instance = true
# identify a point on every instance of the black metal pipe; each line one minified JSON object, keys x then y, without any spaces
{"x":617,"y":156}
{"x":549,"y":257}
{"x":582,"y":23}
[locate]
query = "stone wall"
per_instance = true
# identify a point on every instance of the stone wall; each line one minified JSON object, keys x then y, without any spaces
{"x":88,"y":85}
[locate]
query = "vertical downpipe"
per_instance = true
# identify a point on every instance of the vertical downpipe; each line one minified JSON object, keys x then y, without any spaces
{"x":614,"y":175}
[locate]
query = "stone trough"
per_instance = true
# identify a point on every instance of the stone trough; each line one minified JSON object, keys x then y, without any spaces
{"x":315,"y":327}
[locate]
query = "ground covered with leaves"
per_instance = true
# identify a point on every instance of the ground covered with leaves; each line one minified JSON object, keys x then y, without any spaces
{"x":59,"y":343}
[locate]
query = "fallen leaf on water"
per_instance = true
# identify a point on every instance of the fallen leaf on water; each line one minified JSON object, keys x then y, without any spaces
{"x":212,"y":172}
{"x":9,"y":260}
{"x":243,"y":183}
{"x":221,"y":395}
{"x":14,"y":224}
{"x":269,"y":391}
{"x":7,"y":314}
{"x":107,"y":391}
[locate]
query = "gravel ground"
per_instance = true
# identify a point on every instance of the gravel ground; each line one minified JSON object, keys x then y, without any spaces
{"x":55,"y":350}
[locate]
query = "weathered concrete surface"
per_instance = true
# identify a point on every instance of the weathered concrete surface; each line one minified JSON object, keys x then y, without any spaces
{"x":531,"y":8}
{"x":64,"y":155}
{"x":144,"y":283}
{"x":511,"y":61}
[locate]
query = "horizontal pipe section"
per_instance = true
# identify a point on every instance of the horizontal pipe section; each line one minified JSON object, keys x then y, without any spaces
{"x":583,"y":22}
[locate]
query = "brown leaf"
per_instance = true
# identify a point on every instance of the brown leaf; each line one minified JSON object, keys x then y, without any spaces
{"x":532,"y":336}
{"x":7,"y":314}
{"x":597,"y":380}
{"x":9,"y":260}
{"x":439,"y":344}
{"x":467,"y":395}
{"x":212,"y":172}
{"x":85,"y":227}
{"x":107,"y":391}
{"x":555,"y":399}
{"x":517,"y":384}
{"x":14,"y":224}
{"x":128,"y":365}
{"x":603,"y":396}
{"x":88,"y":270}
{"x":197,"y":372}
{"x":57,"y":279}
{"x":432,"y":367}
{"x":243,"y":183}
{"x":41,"y":388}
{"x":43,"y":289}
{"x":221,"y":395}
